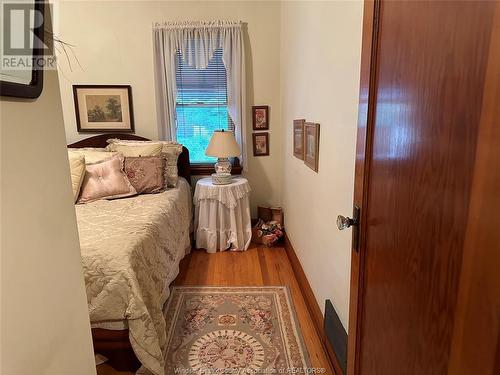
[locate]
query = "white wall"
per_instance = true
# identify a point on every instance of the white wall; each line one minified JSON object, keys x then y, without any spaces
{"x":44,"y":319}
{"x":320,"y":61}
{"x":113,"y":43}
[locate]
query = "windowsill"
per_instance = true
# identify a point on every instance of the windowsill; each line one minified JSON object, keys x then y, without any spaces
{"x":206,"y":169}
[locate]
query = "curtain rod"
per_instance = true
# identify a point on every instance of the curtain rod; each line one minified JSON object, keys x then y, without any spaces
{"x":196,"y":24}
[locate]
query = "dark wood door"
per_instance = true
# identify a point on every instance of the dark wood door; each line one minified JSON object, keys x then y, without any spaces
{"x":422,"y":91}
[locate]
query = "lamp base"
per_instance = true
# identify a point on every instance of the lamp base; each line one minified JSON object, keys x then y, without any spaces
{"x":222,"y":178}
{"x":223,"y":165}
{"x":223,"y":172}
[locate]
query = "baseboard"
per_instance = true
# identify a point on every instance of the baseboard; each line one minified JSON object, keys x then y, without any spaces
{"x":312,"y":304}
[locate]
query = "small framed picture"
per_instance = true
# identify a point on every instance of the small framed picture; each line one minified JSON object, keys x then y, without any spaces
{"x":260,"y":116}
{"x":298,"y":138}
{"x":260,"y":144}
{"x":311,"y":145}
{"x":103,"y":108}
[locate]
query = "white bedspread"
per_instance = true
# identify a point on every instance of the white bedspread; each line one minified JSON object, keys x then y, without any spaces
{"x":131,"y":249}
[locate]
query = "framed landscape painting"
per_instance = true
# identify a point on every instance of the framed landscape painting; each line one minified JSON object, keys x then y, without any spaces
{"x":311,"y":145}
{"x":103,"y":108}
{"x":298,"y":138}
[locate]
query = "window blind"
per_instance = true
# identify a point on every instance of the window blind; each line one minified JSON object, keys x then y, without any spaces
{"x":201,"y":106}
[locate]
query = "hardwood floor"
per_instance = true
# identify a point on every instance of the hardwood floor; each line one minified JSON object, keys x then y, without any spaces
{"x":256,"y":267}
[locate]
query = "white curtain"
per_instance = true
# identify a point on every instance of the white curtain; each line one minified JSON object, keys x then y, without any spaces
{"x":197,"y":42}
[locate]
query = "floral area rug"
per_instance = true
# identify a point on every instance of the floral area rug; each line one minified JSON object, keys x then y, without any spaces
{"x":233,"y":330}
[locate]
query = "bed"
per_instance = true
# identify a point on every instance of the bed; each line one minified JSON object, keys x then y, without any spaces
{"x":131,"y":249}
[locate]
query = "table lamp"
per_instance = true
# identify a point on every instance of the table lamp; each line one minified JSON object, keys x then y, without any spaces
{"x":223,"y":146}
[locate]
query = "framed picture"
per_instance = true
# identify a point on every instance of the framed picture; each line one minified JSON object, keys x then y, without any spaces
{"x":298,"y":138}
{"x":103,"y":108}
{"x":260,"y":144}
{"x":311,"y":145}
{"x":260,"y":116}
{"x":27,"y":81}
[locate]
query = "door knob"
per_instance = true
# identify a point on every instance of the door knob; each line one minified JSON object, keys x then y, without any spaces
{"x":345,"y":222}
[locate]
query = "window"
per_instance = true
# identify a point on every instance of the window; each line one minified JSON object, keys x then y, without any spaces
{"x":201,"y":105}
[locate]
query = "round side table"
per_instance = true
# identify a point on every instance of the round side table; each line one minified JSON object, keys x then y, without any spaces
{"x":222,"y":215}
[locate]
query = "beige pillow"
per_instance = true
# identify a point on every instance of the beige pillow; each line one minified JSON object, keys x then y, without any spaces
{"x":171,"y":152}
{"x":106,"y":180}
{"x":91,"y":154}
{"x":135,"y":149}
{"x":146,"y":174}
{"x":77,"y":169}
{"x":168,"y":149}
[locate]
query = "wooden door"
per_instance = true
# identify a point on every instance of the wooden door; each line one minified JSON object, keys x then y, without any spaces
{"x":421,"y":183}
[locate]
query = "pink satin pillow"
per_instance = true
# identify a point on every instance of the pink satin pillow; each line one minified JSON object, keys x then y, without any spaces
{"x":106,"y":180}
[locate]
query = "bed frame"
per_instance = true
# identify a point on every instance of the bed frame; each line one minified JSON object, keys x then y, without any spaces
{"x":115,"y":345}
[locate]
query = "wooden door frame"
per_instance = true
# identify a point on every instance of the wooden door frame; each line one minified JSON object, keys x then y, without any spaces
{"x":366,"y":108}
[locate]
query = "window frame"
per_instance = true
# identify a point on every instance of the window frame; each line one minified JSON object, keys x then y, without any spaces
{"x":207,"y":168}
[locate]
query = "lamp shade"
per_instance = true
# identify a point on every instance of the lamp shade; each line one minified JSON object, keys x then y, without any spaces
{"x":223,"y":145}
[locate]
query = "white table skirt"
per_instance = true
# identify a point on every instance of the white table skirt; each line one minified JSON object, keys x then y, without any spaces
{"x":222,"y":216}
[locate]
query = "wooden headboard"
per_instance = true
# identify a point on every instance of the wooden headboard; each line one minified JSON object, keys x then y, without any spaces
{"x":183,"y":163}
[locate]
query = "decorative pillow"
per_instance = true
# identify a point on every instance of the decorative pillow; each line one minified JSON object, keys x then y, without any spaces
{"x":91,"y":154}
{"x":77,"y":169}
{"x":106,"y":180}
{"x":136,"y":149}
{"x":146,"y":174}
{"x":169,"y":150}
